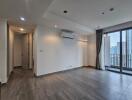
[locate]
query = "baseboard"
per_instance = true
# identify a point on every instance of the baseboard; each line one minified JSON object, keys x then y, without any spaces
{"x":85,"y":66}
{"x":17,"y":66}
{"x":4,"y":81}
{"x":63,"y":71}
{"x":91,"y":66}
{"x":8,"y":78}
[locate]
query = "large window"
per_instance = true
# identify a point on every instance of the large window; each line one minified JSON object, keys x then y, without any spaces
{"x":118,"y":51}
{"x":127,"y":50}
{"x":114,"y":48}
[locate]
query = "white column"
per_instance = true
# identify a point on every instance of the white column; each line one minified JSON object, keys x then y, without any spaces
{"x":3,"y":51}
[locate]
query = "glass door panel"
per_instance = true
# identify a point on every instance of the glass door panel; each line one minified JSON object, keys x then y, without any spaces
{"x":112,"y":42}
{"x":127,"y":51}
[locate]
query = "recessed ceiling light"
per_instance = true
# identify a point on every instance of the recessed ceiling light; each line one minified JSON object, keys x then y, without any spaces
{"x":65,"y":11}
{"x":22,"y":18}
{"x":21,"y":29}
{"x":55,"y":26}
{"x":111,"y":9}
{"x":103,"y":13}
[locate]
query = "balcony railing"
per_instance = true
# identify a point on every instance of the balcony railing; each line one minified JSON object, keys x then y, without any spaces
{"x":126,"y":61}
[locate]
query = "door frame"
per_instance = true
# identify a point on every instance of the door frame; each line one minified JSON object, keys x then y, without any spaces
{"x":30,"y":50}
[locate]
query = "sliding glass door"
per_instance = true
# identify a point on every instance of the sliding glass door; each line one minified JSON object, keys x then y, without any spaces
{"x":112,"y":44}
{"x":127,"y":51}
{"x":118,"y":51}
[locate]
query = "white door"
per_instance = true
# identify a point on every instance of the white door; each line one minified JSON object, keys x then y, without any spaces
{"x":25,"y":51}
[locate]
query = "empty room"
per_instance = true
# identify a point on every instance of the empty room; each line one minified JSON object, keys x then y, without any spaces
{"x":65,"y":50}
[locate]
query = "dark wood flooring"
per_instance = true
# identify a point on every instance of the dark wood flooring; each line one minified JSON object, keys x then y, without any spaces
{"x":78,"y":84}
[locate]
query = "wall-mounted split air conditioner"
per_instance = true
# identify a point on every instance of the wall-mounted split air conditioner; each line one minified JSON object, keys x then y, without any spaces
{"x":67,"y":34}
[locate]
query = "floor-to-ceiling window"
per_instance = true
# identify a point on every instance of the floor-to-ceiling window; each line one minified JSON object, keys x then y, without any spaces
{"x":118,"y":51}
{"x":127,"y":51}
{"x":113,"y":50}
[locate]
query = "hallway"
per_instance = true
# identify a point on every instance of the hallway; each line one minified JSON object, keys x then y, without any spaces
{"x":78,"y":84}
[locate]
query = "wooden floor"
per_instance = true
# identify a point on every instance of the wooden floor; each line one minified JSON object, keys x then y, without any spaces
{"x":78,"y":84}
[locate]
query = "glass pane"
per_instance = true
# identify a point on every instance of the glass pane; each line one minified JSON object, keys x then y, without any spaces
{"x":113,"y":54}
{"x":124,"y":55}
{"x":127,"y":51}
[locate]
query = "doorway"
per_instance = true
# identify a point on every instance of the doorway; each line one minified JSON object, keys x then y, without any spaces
{"x":118,"y":51}
{"x":20,"y":50}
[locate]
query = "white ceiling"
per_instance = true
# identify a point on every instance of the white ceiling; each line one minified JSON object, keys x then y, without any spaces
{"x":32,"y":10}
{"x":84,"y":16}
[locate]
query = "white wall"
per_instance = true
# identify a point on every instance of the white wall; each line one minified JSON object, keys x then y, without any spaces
{"x":35,"y":39}
{"x":3,"y":51}
{"x":52,"y":53}
{"x":18,"y":50}
{"x":92,"y":50}
{"x":11,"y":46}
{"x":30,"y":51}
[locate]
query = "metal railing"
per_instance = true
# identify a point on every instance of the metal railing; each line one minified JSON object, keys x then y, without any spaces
{"x":126,"y":61}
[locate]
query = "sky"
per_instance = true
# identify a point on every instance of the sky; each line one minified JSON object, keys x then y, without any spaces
{"x":115,"y":37}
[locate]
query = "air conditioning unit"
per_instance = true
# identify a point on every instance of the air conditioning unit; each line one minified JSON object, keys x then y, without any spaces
{"x":68,"y":34}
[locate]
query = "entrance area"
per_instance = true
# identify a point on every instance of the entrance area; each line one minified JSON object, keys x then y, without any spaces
{"x":20,"y":50}
{"x":118,"y":51}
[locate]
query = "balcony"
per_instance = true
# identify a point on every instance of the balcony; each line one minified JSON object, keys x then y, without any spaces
{"x":126,"y":61}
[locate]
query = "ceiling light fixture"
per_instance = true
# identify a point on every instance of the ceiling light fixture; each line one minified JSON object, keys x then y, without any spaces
{"x":22,"y":18}
{"x":55,"y":26}
{"x":103,"y":13}
{"x":111,"y":9}
{"x":21,"y":29}
{"x":65,"y":11}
